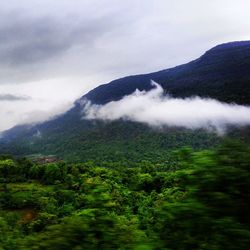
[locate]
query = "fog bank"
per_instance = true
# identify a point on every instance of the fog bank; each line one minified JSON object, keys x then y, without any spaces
{"x":156,"y":109}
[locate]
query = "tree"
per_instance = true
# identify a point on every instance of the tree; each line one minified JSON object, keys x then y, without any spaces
{"x":214,"y":214}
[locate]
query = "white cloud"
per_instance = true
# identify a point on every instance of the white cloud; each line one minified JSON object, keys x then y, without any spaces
{"x":155,"y":109}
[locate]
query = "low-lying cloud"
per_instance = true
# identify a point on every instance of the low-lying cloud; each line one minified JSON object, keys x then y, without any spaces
{"x":156,"y":109}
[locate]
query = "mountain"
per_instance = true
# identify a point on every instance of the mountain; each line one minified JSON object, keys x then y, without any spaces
{"x":222,"y":73}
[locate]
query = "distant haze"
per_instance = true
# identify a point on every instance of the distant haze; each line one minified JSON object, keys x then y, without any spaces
{"x":52,"y":52}
{"x":156,"y":109}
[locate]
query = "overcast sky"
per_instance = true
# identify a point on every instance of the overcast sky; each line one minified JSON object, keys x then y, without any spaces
{"x":52,"y":52}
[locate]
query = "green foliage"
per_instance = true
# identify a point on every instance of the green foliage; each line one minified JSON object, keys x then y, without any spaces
{"x":214,"y":214}
{"x":118,"y":141}
{"x":199,"y":200}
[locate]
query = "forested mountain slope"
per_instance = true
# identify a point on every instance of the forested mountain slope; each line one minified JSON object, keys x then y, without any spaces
{"x":222,"y":73}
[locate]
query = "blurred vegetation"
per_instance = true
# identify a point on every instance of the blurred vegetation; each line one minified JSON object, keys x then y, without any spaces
{"x":192,"y":200}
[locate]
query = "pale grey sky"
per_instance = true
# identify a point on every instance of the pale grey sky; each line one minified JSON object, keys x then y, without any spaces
{"x":52,"y":52}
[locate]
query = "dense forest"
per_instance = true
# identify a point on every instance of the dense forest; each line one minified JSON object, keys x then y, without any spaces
{"x":120,"y":140}
{"x":192,"y":200}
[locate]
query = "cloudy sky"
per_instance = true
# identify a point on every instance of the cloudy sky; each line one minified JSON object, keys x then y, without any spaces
{"x":52,"y":52}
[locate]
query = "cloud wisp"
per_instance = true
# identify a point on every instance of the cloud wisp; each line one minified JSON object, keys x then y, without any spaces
{"x":12,"y":98}
{"x":156,"y":109}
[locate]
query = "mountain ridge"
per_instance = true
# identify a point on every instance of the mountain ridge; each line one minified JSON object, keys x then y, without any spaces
{"x":171,"y":78}
{"x":221,"y":73}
